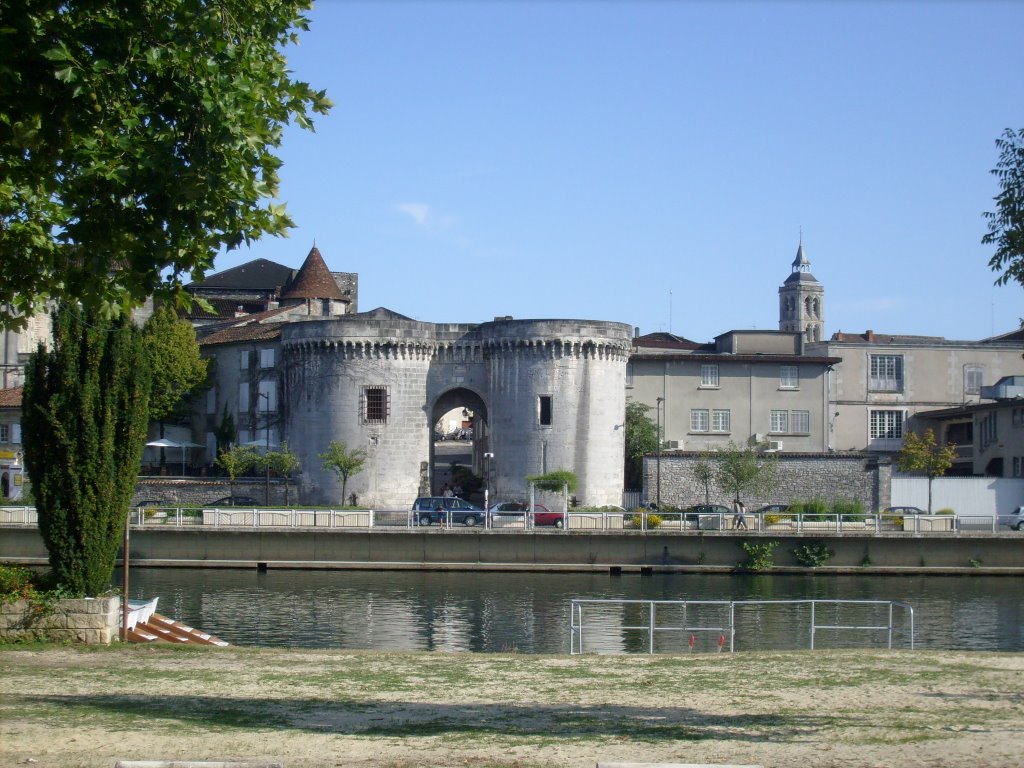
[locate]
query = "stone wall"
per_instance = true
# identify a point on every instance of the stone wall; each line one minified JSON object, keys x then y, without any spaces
{"x":854,"y":476}
{"x":196,"y":492}
{"x":92,"y":621}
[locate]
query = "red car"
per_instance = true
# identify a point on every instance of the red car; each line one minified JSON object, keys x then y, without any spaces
{"x":511,"y":510}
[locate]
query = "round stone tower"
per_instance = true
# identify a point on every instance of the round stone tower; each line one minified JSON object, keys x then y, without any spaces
{"x":548,"y":394}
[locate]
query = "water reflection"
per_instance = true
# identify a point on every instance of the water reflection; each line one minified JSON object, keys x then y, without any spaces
{"x":529,"y":612}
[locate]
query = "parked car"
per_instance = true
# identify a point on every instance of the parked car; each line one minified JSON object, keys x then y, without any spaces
{"x":517,"y":509}
{"x":1015,"y":519}
{"x":709,"y":509}
{"x":434,"y":510}
{"x":772,"y":509}
{"x":234,"y":501}
{"x":903,"y":511}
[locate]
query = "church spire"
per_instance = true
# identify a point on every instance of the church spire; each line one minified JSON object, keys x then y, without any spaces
{"x":802,"y":299}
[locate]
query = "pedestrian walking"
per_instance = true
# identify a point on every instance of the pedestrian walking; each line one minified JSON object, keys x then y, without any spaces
{"x":739,"y":519}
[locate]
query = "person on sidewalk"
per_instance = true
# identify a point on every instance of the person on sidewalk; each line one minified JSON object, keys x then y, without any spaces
{"x":739,"y":519}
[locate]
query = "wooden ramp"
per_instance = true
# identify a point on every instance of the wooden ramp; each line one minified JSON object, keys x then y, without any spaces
{"x":159,"y":628}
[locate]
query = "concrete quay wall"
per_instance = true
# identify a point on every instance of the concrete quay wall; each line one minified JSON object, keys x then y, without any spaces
{"x":530,"y":550}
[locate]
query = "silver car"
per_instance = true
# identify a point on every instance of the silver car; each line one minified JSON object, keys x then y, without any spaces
{"x":1015,"y":519}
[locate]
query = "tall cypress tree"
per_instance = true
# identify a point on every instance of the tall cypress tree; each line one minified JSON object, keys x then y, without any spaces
{"x":84,"y":419}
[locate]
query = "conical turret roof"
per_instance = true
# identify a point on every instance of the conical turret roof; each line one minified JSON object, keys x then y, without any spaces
{"x":313,"y":281}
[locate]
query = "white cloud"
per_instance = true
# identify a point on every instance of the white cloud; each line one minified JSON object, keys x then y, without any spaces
{"x":418,"y":212}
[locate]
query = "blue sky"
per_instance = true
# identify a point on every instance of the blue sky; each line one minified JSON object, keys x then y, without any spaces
{"x":654,"y":163}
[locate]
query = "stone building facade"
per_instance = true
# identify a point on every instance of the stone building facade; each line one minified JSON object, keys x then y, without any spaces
{"x":545,"y":394}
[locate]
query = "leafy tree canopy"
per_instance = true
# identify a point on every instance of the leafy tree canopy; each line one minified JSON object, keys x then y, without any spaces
{"x":138,"y":140}
{"x":744,"y":470}
{"x":1006,"y":223}
{"x":177,"y":368}
{"x":555,"y":481}
{"x":345,"y":463}
{"x":641,"y":438}
{"x":922,"y":453}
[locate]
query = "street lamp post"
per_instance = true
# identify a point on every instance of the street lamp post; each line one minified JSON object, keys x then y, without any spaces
{"x":487,"y":481}
{"x":657,"y":486}
{"x":266,"y":464}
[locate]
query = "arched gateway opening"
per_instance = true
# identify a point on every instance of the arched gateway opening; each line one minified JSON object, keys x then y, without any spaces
{"x":459,"y":440}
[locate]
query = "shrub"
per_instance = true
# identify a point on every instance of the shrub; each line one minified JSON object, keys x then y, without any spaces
{"x":850,"y":510}
{"x":945,"y":511}
{"x":812,"y":554}
{"x":760,"y":555}
{"x":811,"y":509}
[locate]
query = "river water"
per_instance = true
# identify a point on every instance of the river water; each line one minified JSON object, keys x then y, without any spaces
{"x":529,"y":612}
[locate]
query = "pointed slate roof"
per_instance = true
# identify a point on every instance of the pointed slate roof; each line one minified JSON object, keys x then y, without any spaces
{"x":801,"y":268}
{"x":314,"y":281}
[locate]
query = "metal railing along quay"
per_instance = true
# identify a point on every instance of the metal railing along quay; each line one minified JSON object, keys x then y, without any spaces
{"x":782,"y":524}
{"x":686,"y":620}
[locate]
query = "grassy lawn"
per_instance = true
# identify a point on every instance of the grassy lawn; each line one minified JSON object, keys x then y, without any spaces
{"x":306,"y":707}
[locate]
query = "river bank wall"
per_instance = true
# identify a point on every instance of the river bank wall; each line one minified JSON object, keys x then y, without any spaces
{"x":541,"y":551}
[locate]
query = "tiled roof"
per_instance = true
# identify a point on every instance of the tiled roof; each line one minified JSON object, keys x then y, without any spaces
{"x":254,"y":331}
{"x":256,"y":275}
{"x":870,"y":337}
{"x":662,"y":340}
{"x":11,"y":398}
{"x":314,"y":281}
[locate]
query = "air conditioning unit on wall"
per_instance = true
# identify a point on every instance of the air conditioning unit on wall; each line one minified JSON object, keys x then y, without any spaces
{"x":774,"y":445}
{"x":759,"y":437}
{"x":671,"y":445}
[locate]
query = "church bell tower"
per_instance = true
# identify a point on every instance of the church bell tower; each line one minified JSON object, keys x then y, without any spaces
{"x":802,"y":300}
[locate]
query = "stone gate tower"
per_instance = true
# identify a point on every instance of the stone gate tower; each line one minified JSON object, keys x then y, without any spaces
{"x":802,"y":300}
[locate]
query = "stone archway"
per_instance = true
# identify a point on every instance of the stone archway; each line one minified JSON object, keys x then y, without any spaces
{"x":470,"y":452}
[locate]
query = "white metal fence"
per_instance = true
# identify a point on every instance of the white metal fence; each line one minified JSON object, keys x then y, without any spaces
{"x":675,"y":625}
{"x":782,"y":524}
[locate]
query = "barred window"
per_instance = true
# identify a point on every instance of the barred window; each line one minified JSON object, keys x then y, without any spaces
{"x":780,"y":421}
{"x":700,"y":420}
{"x":375,"y":405}
{"x":886,"y":373}
{"x":720,"y":420}
{"x":800,"y":421}
{"x":972,"y":379}
{"x":887,"y":425}
{"x":709,"y":375}
{"x":789,"y":377}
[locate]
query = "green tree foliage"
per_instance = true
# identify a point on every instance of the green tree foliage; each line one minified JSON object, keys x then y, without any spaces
{"x":744,"y":470}
{"x":137,"y":140}
{"x":178,"y":371}
{"x":923,"y":454}
{"x":345,"y":463}
{"x":1006,"y":223}
{"x":641,"y":439}
{"x":85,"y":418}
{"x":704,"y":473}
{"x":225,"y":433}
{"x":555,"y":482}
{"x":236,"y":461}
{"x":282,"y":463}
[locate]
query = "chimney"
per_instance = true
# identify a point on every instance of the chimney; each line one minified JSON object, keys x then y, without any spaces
{"x":636,"y":331}
{"x":870,"y":335}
